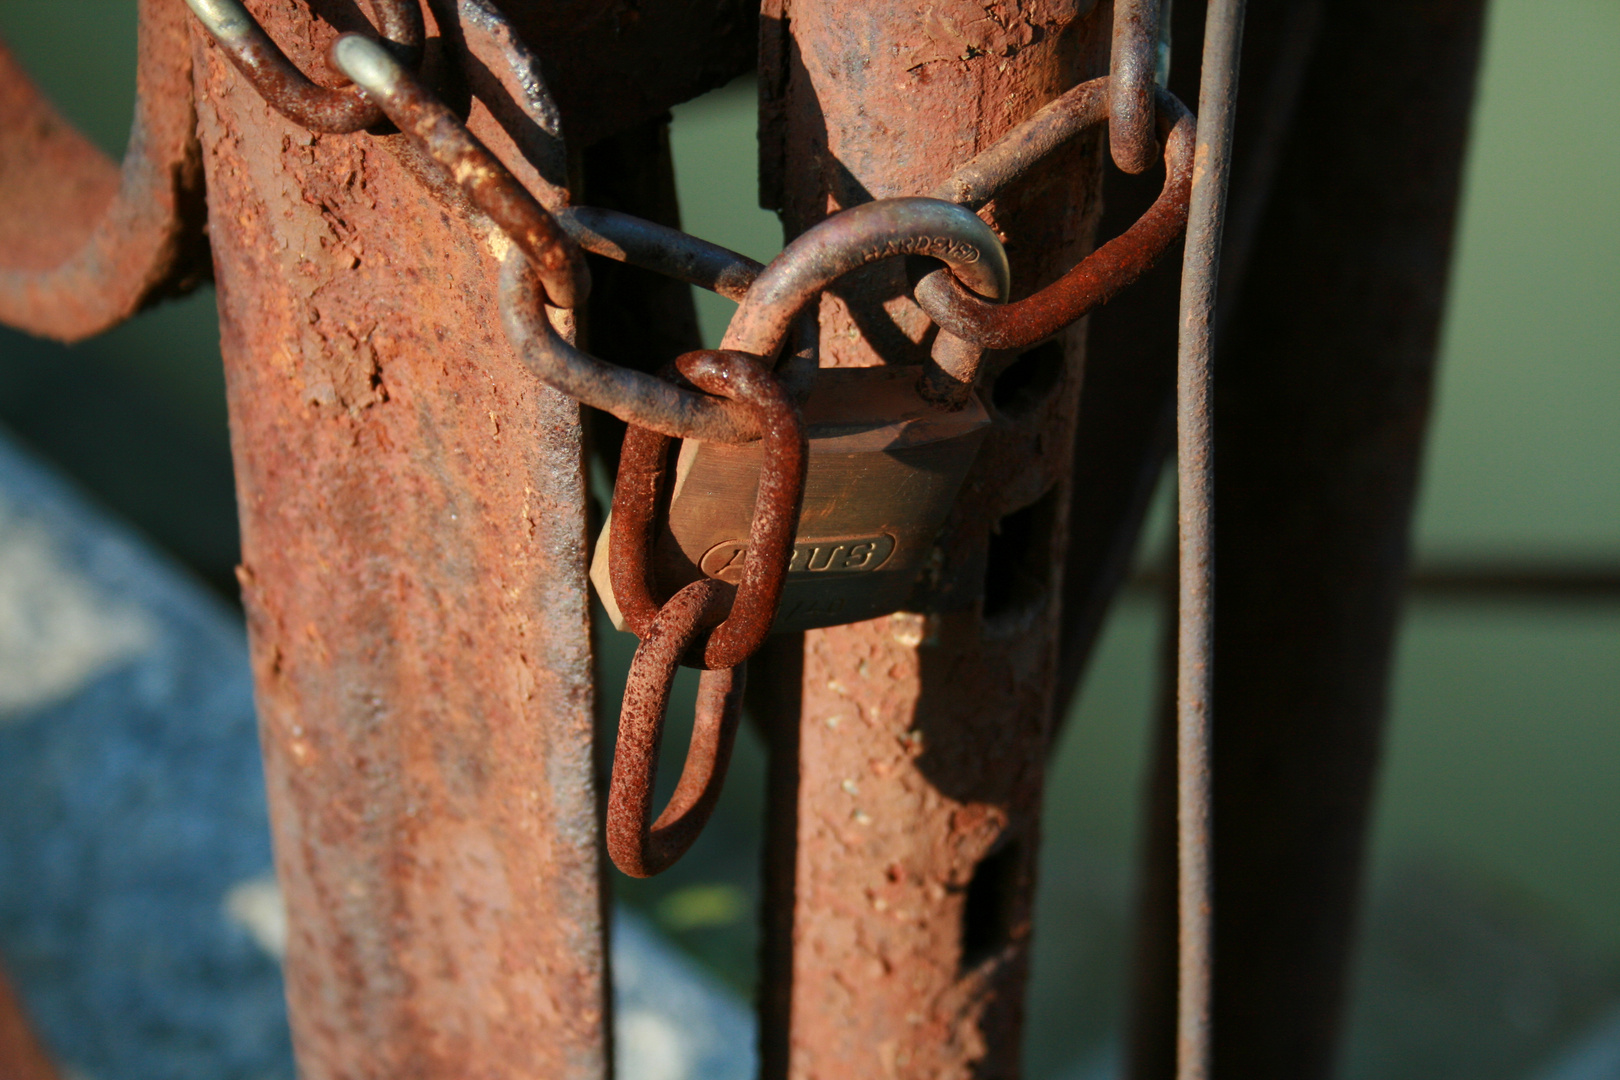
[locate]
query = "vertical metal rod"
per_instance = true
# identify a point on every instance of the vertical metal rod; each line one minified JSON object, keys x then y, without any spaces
{"x":1217,"y":101}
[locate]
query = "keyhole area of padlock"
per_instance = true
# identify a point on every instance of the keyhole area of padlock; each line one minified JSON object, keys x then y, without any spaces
{"x":1025,"y":385}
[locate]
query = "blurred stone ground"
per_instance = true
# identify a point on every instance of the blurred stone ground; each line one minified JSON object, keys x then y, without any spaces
{"x":139,"y":917}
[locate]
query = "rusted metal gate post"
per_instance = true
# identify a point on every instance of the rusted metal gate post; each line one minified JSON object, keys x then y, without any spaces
{"x":412,"y":523}
{"x":901,"y":879}
{"x":411,"y":501}
{"x":413,"y":526}
{"x":413,"y":555}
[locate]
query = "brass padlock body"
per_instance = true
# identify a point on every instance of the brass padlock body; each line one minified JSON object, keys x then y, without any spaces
{"x":884,"y":469}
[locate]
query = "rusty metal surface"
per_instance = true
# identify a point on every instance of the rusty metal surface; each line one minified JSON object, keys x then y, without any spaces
{"x":1195,"y":531}
{"x":856,"y":236}
{"x":413,"y":546}
{"x":639,"y":846}
{"x":772,"y":306}
{"x":732,"y":617}
{"x":884,"y":469}
{"x":554,"y":256}
{"x":22,"y":1057}
{"x":1317,"y":469}
{"x":899,"y":877}
{"x":331,"y":110}
{"x":636,"y":397}
{"x":1131,"y":68}
{"x":85,"y":243}
{"x":662,"y":249}
{"x":752,"y":600}
{"x":1103,"y":273}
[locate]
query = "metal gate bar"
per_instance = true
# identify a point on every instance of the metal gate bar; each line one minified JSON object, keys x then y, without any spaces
{"x":413,"y":521}
{"x":898,"y":906}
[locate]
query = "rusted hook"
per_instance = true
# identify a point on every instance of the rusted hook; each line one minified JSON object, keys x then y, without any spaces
{"x":642,"y":471}
{"x":288,"y":90}
{"x":557,"y":259}
{"x":1099,"y":276}
{"x":86,"y":242}
{"x":638,"y":845}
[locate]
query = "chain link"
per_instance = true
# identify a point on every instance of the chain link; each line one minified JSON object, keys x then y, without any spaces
{"x":735,"y":394}
{"x":288,"y":90}
{"x":1132,"y":66}
{"x":1099,"y":276}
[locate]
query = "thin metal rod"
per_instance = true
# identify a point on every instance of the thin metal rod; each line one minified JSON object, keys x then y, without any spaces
{"x":1217,"y":102}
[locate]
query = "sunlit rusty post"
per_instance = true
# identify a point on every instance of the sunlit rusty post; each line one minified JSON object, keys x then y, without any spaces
{"x":900,"y":877}
{"x":413,"y":527}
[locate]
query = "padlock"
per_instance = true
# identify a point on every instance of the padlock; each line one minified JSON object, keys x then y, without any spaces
{"x":884,"y":469}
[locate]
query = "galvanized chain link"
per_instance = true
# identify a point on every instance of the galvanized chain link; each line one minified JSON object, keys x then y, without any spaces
{"x":737,"y":397}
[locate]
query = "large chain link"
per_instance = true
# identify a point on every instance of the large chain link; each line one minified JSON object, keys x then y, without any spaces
{"x":742,"y":391}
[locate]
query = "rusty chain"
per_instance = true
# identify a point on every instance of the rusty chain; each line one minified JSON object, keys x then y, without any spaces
{"x":736,"y":393}
{"x":1132,"y":69}
{"x":642,"y":468}
{"x":290,"y":91}
{"x":1099,"y":276}
{"x":638,"y":845}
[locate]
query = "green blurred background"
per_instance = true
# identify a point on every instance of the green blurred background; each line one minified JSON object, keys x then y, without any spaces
{"x":1492,"y":930}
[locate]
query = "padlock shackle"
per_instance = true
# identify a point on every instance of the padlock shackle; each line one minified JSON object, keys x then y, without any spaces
{"x":850,"y":239}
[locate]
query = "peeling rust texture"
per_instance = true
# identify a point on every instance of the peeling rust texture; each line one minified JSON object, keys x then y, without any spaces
{"x":412,"y":505}
{"x":85,"y":243}
{"x":21,"y":1055}
{"x":922,"y":737}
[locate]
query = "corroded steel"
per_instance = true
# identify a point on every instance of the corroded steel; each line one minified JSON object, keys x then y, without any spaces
{"x":1103,"y":273}
{"x":682,"y":256}
{"x":85,"y":243}
{"x":636,"y":397}
{"x":740,"y":613}
{"x":639,"y":846}
{"x":1133,"y":62}
{"x":855,"y":237}
{"x":489,"y":185}
{"x":779,"y":494}
{"x":899,"y":876}
{"x":332,"y":110}
{"x":413,"y":546}
{"x":773,"y":304}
